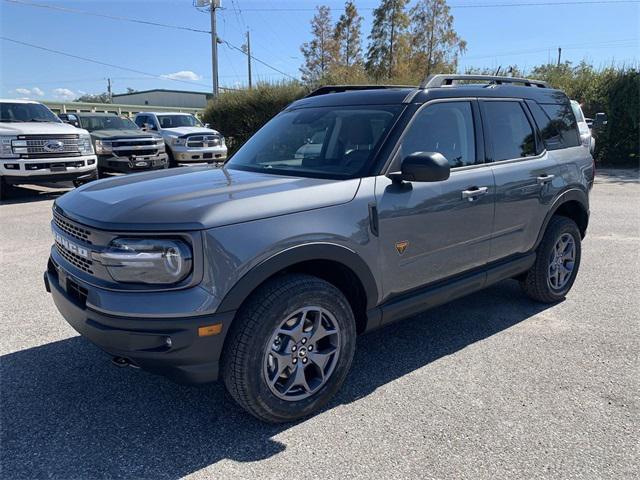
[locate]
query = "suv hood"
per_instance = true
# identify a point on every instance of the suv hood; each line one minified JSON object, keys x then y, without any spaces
{"x":179,"y":131}
{"x":38,"y":128}
{"x":124,"y":133}
{"x":197,"y":198}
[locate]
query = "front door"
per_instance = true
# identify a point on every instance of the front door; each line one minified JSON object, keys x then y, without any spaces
{"x":430,"y":231}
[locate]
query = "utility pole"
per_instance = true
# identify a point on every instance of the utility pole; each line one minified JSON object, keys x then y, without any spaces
{"x":214,"y":4}
{"x":559,"y":55}
{"x":249,"y":57}
{"x":109,"y":92}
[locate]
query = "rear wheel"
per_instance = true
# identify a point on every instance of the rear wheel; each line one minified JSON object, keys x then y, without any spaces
{"x":557,"y":262}
{"x":290,"y":348}
{"x":3,"y":189}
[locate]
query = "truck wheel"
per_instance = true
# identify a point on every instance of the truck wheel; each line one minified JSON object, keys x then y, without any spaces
{"x":289,"y":348}
{"x":557,"y":262}
{"x":3,"y":189}
{"x":170,"y":159}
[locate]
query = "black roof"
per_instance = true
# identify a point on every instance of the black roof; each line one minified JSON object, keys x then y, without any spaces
{"x":440,"y":86}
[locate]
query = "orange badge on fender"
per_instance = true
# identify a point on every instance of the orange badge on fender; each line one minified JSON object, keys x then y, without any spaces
{"x":402,"y":246}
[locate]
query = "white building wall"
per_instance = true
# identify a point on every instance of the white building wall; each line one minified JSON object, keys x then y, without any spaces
{"x":165,"y":99}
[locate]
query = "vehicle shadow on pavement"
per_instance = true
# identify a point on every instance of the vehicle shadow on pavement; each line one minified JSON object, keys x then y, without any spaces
{"x":66,"y":412}
{"x":20,"y":194}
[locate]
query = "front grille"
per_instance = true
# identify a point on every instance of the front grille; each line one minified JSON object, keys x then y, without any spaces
{"x":82,"y":263}
{"x":73,"y":230}
{"x":135,"y":142}
{"x":203,"y":141}
{"x":41,"y":166}
{"x":148,"y":152}
{"x":36,"y":146}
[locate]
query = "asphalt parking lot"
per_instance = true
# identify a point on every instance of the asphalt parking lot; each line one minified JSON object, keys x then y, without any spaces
{"x":489,"y":386}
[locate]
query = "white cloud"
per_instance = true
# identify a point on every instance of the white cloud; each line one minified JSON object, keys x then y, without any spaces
{"x":37,"y":91}
{"x":183,"y":75}
{"x":64,"y":93}
{"x":28,"y":93}
{"x":23,"y":91}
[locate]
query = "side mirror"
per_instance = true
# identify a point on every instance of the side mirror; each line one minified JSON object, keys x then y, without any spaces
{"x":206,"y":125}
{"x":147,"y":126}
{"x":600,"y":120}
{"x":423,"y":167}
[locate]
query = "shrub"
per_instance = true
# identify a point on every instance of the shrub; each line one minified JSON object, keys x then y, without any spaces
{"x":239,"y":114}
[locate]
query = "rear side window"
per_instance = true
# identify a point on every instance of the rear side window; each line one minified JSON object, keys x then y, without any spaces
{"x":557,"y":124}
{"x":512,"y":136}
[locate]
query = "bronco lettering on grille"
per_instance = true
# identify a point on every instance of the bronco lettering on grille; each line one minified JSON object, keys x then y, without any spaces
{"x":70,"y":246}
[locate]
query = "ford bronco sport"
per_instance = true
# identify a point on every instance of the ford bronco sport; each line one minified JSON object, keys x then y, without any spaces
{"x":263,"y":272}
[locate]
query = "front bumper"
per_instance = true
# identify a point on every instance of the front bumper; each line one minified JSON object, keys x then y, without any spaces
{"x":209,"y":154}
{"x":114,"y":163}
{"x":47,"y":169}
{"x":188,"y":358}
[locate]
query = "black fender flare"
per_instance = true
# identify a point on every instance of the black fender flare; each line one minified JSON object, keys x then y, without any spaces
{"x":573,"y":194}
{"x":298,"y":254}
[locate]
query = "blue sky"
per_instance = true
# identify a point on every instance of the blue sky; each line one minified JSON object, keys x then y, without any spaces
{"x":524,"y":35}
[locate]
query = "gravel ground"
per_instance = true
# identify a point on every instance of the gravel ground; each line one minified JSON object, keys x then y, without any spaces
{"x":489,"y":386}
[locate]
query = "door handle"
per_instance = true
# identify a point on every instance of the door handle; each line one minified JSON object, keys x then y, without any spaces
{"x":542,"y":179}
{"x":473,"y":193}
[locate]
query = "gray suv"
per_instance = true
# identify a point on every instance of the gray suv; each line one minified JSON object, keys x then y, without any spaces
{"x":264,"y":272}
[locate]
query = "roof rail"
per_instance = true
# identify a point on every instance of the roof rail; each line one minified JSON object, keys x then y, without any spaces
{"x":435,"y":81}
{"x":347,"y":88}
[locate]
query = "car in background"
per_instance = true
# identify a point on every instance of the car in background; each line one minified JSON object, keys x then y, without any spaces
{"x":37,"y":147}
{"x":186,"y":138}
{"x":120,"y":145}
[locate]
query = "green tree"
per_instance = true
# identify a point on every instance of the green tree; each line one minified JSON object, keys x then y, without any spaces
{"x":388,"y":41}
{"x":320,"y":53}
{"x":347,"y":36}
{"x":435,"y":45}
{"x":97,"y":98}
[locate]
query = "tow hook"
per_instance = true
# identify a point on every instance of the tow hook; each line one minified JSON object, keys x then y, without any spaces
{"x":123,"y":362}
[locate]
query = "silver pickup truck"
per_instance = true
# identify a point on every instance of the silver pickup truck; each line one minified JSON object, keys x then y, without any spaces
{"x":186,"y":138}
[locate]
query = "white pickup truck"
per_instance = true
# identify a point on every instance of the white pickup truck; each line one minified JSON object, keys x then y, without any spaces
{"x":36,"y":147}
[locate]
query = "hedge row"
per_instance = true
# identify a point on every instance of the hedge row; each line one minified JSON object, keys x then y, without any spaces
{"x":616,"y":92}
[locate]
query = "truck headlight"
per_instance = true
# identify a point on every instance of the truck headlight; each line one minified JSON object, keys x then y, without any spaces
{"x":152,"y":261}
{"x":5,"y":147}
{"x":84,"y":144}
{"x":103,"y":147}
{"x":160,"y":145}
{"x":177,"y":141}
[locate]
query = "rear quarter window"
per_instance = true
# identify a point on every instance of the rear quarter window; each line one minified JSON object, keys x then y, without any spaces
{"x":557,"y":124}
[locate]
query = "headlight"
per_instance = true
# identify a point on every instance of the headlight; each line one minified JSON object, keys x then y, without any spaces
{"x":222,"y":142}
{"x":160,"y":145}
{"x":151,"y":261}
{"x":5,"y":147}
{"x":178,"y":141}
{"x":103,"y":147}
{"x":84,"y":144}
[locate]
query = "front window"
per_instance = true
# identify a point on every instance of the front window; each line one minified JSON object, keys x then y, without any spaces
{"x":173,"y":121}
{"x":99,"y":122}
{"x":326,"y":142}
{"x":26,"y":112}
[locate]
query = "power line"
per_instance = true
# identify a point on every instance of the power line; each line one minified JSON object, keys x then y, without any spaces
{"x":86,"y":59}
{"x":464,"y":6}
{"x":104,"y":15}
{"x":144,"y":22}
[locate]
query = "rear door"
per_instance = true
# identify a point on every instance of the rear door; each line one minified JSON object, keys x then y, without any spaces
{"x":527,"y":177}
{"x":430,"y":231}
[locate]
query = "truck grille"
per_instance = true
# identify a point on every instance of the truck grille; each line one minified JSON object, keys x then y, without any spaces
{"x":135,"y":146}
{"x":202,"y":141}
{"x":73,"y":230}
{"x":35,"y":145}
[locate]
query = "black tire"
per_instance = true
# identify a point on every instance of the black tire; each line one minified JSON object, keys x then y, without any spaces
{"x":249,"y":340}
{"x":535,"y":282}
{"x":170,"y":159}
{"x":3,"y":189}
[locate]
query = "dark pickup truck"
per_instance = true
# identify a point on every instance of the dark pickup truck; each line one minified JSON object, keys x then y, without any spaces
{"x":120,"y":145}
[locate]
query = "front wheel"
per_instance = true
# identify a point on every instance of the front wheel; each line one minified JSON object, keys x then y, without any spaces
{"x":290,"y":348}
{"x":557,"y":262}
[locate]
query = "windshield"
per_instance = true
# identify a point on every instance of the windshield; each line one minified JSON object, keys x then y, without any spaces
{"x":325,"y":142}
{"x":103,"y":122}
{"x":26,"y":112}
{"x":173,"y":121}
